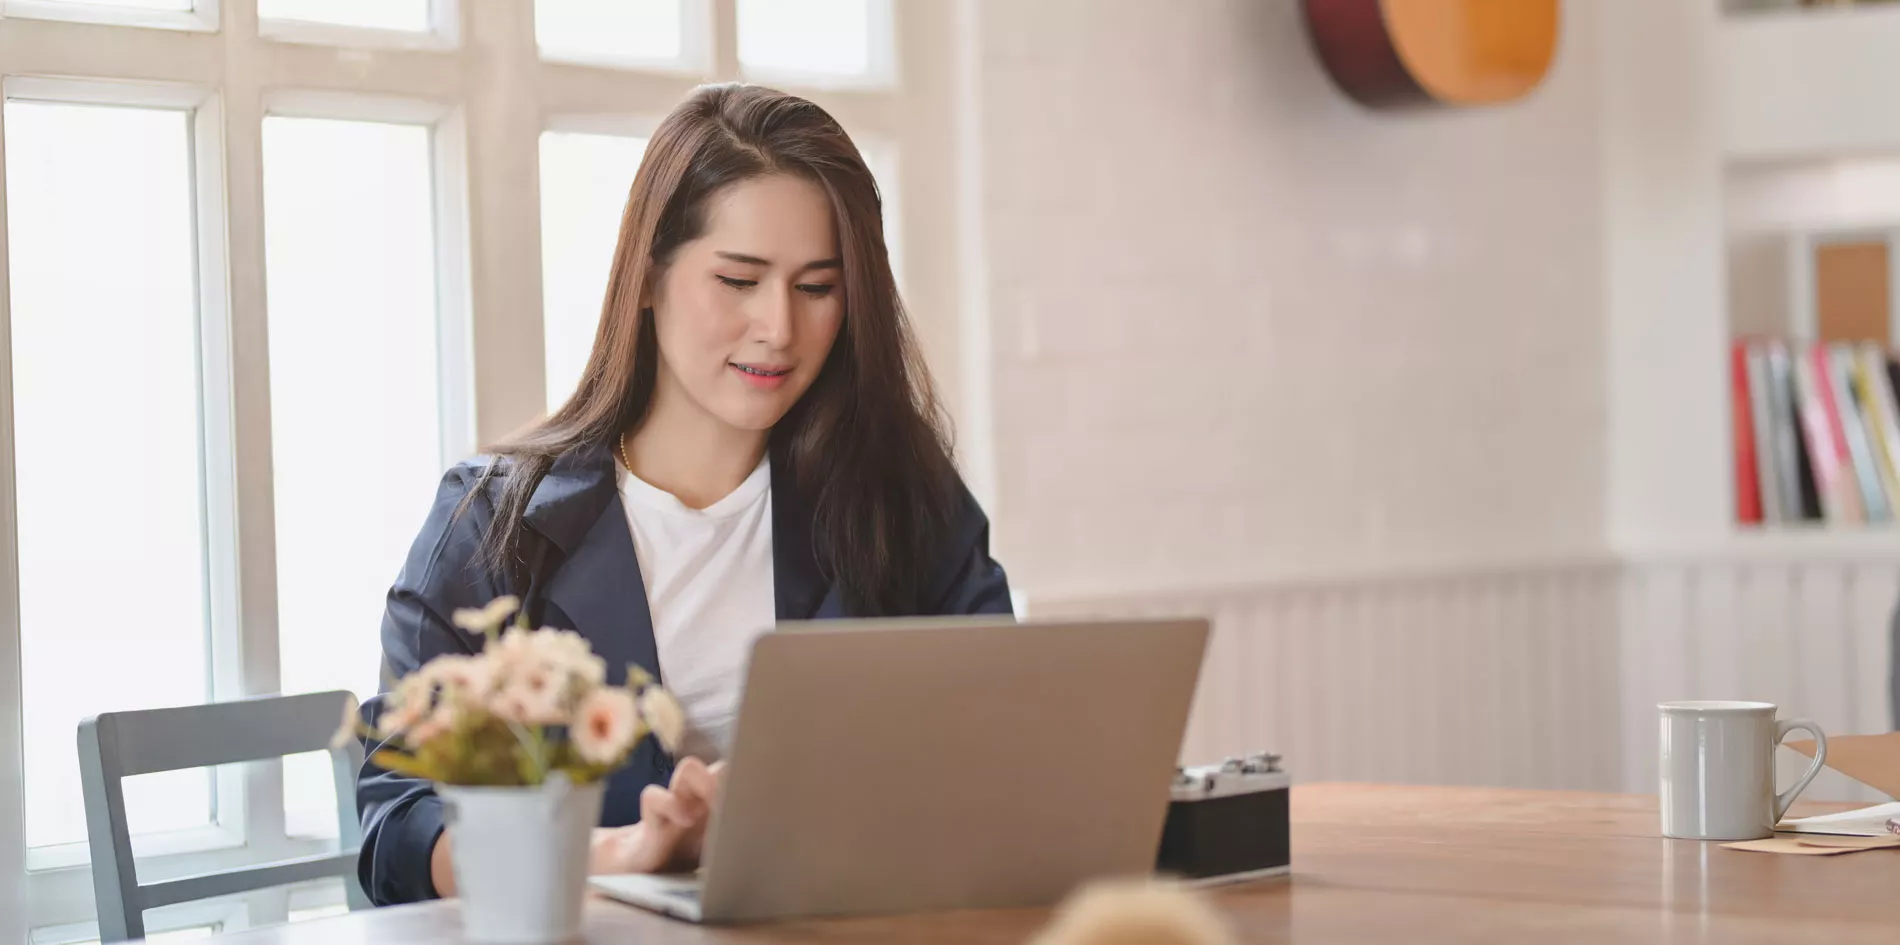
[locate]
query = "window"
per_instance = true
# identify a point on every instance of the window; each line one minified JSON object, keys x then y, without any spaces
{"x":584,"y":183}
{"x":402,"y":15}
{"x":319,"y":912}
{"x":821,"y":40}
{"x":194,"y":934}
{"x":164,"y":14}
{"x":333,"y":282}
{"x":105,"y":415}
{"x":349,"y":257}
{"x":882,"y":161}
{"x":241,"y":344}
{"x":615,"y":32}
{"x":133,"y":4}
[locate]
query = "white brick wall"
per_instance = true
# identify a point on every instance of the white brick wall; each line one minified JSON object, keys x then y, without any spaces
{"x":1241,"y":326}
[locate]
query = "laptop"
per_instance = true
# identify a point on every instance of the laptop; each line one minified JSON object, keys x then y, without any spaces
{"x":918,"y":765}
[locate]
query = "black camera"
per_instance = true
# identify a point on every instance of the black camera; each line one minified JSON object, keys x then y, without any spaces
{"x":1228,"y":822}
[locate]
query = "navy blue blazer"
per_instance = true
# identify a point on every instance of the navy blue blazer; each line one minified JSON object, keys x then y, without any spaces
{"x":590,"y":583}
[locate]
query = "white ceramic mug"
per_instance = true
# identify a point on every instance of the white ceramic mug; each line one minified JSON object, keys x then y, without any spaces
{"x":1718,"y":769}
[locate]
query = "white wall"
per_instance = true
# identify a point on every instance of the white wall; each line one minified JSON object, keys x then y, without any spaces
{"x":1242,"y":327}
{"x":1427,"y":412}
{"x":1670,"y":476}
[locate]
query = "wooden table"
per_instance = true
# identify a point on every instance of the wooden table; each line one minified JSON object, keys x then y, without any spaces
{"x":1383,"y":864}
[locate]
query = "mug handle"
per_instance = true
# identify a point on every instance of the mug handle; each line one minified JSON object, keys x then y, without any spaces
{"x":1782,"y":729}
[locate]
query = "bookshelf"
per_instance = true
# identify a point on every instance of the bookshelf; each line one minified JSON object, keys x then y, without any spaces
{"x":1811,"y":229}
{"x":1703,"y":96}
{"x":1790,"y":545}
{"x":1816,"y":431}
{"x":1757,"y":7}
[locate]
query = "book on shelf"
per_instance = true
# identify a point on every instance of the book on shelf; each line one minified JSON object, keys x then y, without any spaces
{"x":1794,"y":476}
{"x":1750,"y":492}
{"x":1850,"y":419}
{"x":1816,"y":432}
{"x":1874,"y":391}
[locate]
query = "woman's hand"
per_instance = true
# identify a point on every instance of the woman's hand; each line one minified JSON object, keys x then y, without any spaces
{"x":672,"y":825}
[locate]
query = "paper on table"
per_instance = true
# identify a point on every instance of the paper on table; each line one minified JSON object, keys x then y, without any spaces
{"x":1873,"y":760}
{"x":1815,"y":846}
{"x":1865,"y":822}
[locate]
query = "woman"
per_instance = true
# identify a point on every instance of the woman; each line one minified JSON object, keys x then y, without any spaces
{"x":754,"y":439}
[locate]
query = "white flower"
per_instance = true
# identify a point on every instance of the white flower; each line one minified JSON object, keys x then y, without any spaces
{"x":605,"y":725}
{"x":346,"y":733}
{"x":441,"y":720}
{"x":543,"y":671}
{"x":537,"y":694}
{"x":401,"y":717}
{"x":507,"y":705}
{"x":560,"y":651}
{"x":664,"y":715}
{"x":567,"y":652}
{"x":532,"y":695}
{"x":512,"y":652}
{"x":408,"y":703}
{"x":486,"y":619}
{"x":469,"y":677}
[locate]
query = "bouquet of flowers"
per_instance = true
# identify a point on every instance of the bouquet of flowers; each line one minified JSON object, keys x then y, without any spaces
{"x":532,"y":703}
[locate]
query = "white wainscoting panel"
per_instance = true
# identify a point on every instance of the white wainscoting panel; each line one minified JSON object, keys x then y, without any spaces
{"x":1810,"y":635}
{"x":1541,"y":677}
{"x":1502,"y":678}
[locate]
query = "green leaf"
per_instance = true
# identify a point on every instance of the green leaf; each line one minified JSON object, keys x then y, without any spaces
{"x":584,"y":773}
{"x":637,"y":678}
{"x":403,"y":763}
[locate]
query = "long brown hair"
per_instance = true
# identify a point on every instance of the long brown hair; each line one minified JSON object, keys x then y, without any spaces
{"x":865,"y":445}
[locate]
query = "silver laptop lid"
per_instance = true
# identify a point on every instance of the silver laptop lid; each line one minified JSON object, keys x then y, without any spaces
{"x":902,"y":766}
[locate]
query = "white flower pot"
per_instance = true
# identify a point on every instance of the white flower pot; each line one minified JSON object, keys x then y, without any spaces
{"x":520,"y":857}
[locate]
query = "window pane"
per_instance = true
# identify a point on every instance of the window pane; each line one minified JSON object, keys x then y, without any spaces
{"x":409,"y":15}
{"x":317,"y":900}
{"x":319,"y":912}
{"x":134,"y":4}
{"x":881,"y":158}
{"x":193,"y":934}
{"x":353,"y":374}
{"x":309,"y":796}
{"x":824,"y":37}
{"x":105,"y":425}
{"x":584,"y":184}
{"x":637,"y":30}
{"x":349,"y":253}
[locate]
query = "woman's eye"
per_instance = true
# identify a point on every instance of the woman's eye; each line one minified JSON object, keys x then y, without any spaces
{"x":732,"y":283}
{"x":816,"y":291}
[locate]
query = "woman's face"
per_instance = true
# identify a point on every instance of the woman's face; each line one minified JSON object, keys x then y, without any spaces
{"x":746,"y":313}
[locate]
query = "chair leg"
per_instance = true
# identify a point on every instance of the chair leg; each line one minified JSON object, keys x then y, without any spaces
{"x":114,"y":879}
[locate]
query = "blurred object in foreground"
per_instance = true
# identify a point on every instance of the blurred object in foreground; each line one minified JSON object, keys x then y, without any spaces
{"x":1135,"y":913}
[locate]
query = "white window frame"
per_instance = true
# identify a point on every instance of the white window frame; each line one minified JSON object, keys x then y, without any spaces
{"x":481,"y":85}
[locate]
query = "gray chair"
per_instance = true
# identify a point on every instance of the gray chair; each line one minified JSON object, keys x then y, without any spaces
{"x":118,"y":745}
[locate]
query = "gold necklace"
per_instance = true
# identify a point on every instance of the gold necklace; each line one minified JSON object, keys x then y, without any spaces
{"x":624,"y":461}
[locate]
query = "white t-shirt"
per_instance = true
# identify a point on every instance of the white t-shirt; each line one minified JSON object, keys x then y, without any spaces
{"x":710,"y":588}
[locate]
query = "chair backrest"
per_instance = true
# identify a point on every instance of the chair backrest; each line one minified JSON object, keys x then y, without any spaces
{"x":118,"y":745}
